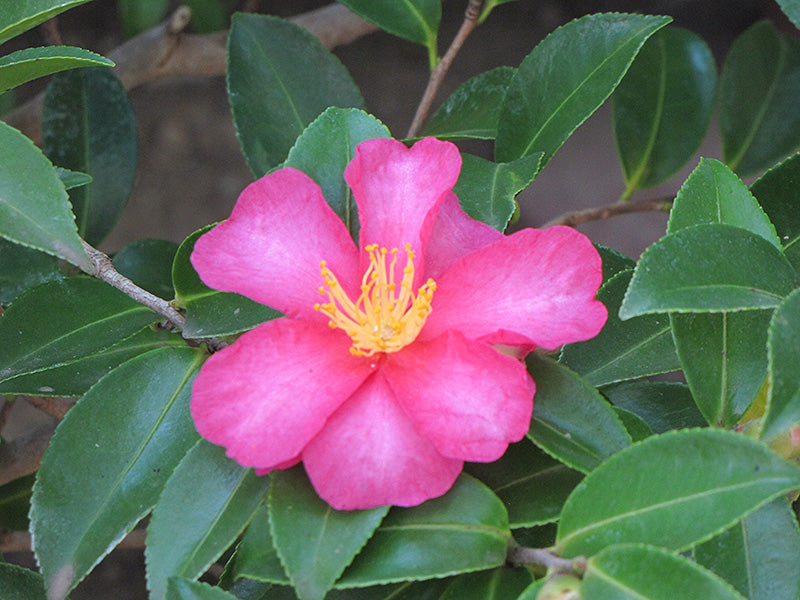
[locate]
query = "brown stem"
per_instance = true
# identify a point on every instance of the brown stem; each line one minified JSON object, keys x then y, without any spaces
{"x":438,"y":74}
{"x":578,"y":217}
{"x":519,"y":556}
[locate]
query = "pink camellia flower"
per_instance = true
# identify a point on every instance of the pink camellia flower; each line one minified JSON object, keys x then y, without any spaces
{"x":398,"y":361}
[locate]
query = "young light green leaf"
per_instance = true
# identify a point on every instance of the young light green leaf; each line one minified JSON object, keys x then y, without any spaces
{"x":472,"y":111}
{"x":326,"y":147}
{"x":18,"y":583}
{"x":22,"y":268}
{"x":315,"y":542}
{"x":758,"y":555}
{"x":662,"y":107}
{"x":663,"y":405}
{"x":280,"y":77}
{"x":712,"y":267}
{"x":33,"y":209}
{"x":148,"y":263}
{"x":197,"y":518}
{"x":88,"y":125}
{"x":464,"y":530}
{"x":623,"y":349}
{"x":638,"y":572}
{"x":180,"y":588}
{"x":17,"y":17}
{"x":28,"y":64}
{"x":72,"y":179}
{"x":571,"y":420}
{"x":673,"y":490}
{"x":565,"y":79}
{"x":96,"y":481}
{"x":758,"y":91}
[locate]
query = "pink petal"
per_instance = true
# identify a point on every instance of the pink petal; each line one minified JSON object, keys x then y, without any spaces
{"x":464,"y":396}
{"x":538,"y":285}
{"x":454,"y":235}
{"x":267,"y":395}
{"x":271,"y":246}
{"x":369,"y":454}
{"x":398,"y":191}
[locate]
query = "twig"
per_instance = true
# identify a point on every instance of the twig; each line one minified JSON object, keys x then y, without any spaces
{"x":20,"y":541}
{"x":22,"y":455}
{"x":437,"y":75}
{"x":519,"y":556}
{"x":52,"y":406}
{"x":579,"y":217}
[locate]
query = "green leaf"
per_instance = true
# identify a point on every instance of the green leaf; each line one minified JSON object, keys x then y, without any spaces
{"x":15,"y":501}
{"x":637,"y":427}
{"x":486,"y":190}
{"x":636,"y":572}
{"x":326,"y":147}
{"x":758,"y":555}
{"x":28,"y":64}
{"x":662,"y":405}
{"x":472,"y":111}
{"x":464,"y":530}
{"x":72,"y":179}
{"x":714,"y":194}
{"x":571,"y":420}
{"x":209,"y":312}
{"x":33,"y":208}
{"x":108,"y":462}
{"x":148,"y":263}
{"x":256,"y":557}
{"x":208,"y":15}
{"x":623,"y":349}
{"x":179,"y":588}
{"x":88,"y":125}
{"x":565,"y":79}
{"x":137,"y":16}
{"x":431,"y":589}
{"x":17,"y":583}
{"x":776,"y":192}
{"x":196,"y":519}
{"x":280,"y":78}
{"x":22,"y":268}
{"x":662,"y":107}
{"x":315,"y":542}
{"x":532,"y":486}
{"x":673,"y":490}
{"x":724,"y":359}
{"x":613,"y":261}
{"x":503,"y":583}
{"x":758,"y":92}
{"x":791,"y":8}
{"x":17,"y":17}
{"x":783,"y":404}
{"x":712,"y":267}
{"x":413,"y":20}
{"x":59,"y":322}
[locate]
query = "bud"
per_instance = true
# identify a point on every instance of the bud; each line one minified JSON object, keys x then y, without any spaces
{"x":560,"y":586}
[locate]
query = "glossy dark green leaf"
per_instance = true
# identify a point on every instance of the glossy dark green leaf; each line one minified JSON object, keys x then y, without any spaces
{"x":758,"y":94}
{"x":97,"y":481}
{"x":197,"y":518}
{"x":137,"y":16}
{"x":503,"y":583}
{"x":663,"y":405}
{"x":179,"y":588}
{"x":280,"y":78}
{"x":59,"y":322}
{"x":72,"y":179}
{"x":791,"y":9}
{"x":487,"y":190}
{"x":571,"y":420}
{"x":326,"y":147}
{"x":22,"y":268}
{"x":28,"y":64}
{"x":464,"y":530}
{"x":724,"y":359}
{"x":637,"y":427}
{"x":413,"y":20}
{"x":473,"y":109}
{"x":623,"y":349}
{"x":532,"y":486}
{"x":15,"y":501}
{"x":758,"y":555}
{"x":431,"y":589}
{"x":673,"y":490}
{"x":17,"y":17}
{"x":776,"y":192}
{"x":783,"y":404}
{"x":315,"y":542}
{"x":712,"y":267}
{"x":662,"y":107}
{"x":88,"y":125}
{"x":246,"y":589}
{"x":209,"y":312}
{"x":18,"y":583}
{"x":148,"y":263}
{"x":34,"y":210}
{"x":715,"y":194}
{"x":256,"y":557}
{"x":565,"y":79}
{"x":613,"y":261}
{"x":637,"y":572}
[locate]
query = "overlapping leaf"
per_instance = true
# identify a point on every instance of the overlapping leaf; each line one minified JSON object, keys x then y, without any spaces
{"x":28,"y":64}
{"x":414,"y":20}
{"x":22,"y":268}
{"x":662,"y":405}
{"x":17,"y":17}
{"x":148,"y":263}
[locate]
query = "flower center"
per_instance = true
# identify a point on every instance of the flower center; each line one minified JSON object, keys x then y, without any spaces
{"x":385,"y":317}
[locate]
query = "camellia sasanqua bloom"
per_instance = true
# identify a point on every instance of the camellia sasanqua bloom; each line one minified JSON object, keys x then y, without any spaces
{"x":399,"y":359}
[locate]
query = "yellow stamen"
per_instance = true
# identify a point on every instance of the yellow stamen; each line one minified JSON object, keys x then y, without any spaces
{"x":383,"y":318}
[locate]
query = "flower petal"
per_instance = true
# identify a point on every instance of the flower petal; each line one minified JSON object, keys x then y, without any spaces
{"x":464,"y":396}
{"x":271,"y":246}
{"x":267,"y":395}
{"x":538,"y":284}
{"x":369,"y":454}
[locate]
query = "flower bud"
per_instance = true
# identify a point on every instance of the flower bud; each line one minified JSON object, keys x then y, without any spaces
{"x":560,"y":586}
